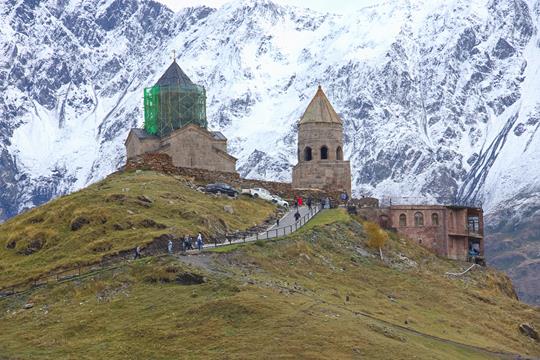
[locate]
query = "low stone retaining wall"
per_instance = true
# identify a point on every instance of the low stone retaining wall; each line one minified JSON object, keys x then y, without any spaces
{"x":163,"y":163}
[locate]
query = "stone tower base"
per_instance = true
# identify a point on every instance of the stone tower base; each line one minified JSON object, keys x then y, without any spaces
{"x":323,"y":174}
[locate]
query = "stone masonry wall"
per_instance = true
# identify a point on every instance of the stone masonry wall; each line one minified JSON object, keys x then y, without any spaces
{"x":194,"y":148}
{"x":323,"y":174}
{"x":162,"y":163}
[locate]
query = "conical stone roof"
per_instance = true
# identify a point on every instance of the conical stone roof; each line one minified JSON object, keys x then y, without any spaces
{"x":174,"y":76}
{"x":320,"y":110}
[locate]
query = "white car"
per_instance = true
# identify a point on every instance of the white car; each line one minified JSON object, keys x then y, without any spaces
{"x":258,"y":193}
{"x":279,"y":201}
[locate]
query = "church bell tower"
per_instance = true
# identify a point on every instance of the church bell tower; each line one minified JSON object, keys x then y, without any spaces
{"x":321,"y":164}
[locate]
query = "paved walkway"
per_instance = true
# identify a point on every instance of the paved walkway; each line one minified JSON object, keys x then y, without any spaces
{"x":287,"y":225}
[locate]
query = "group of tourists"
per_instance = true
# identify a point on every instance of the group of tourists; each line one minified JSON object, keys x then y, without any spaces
{"x":298,"y":201}
{"x":186,"y":244}
{"x":325,"y":203}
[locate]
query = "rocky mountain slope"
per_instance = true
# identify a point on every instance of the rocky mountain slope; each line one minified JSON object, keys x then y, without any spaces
{"x":439,"y":98}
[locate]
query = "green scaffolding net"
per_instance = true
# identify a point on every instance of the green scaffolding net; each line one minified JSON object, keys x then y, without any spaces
{"x":167,"y":108}
{"x":151,"y":106}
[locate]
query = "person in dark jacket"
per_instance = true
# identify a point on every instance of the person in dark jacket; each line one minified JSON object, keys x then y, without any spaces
{"x":297,"y":216}
{"x":185,"y":244}
{"x":137,"y":253}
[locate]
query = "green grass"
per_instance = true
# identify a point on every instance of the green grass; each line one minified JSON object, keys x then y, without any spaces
{"x":327,"y":217}
{"x":225,"y":248}
{"x":310,"y":295}
{"x":130,"y":315}
{"x":115,"y":216}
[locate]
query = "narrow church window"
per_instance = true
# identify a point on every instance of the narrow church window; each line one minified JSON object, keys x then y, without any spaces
{"x":307,"y":154}
{"x":324,"y":153}
{"x":435,"y":219}
{"x":402,"y":220}
{"x":339,"y":153}
{"x":418,"y":219}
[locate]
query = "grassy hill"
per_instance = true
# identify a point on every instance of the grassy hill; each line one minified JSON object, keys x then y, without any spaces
{"x":320,"y":293}
{"x":119,"y":213}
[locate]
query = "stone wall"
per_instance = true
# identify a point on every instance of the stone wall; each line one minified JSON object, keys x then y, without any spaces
{"x":163,"y":163}
{"x":317,"y":135}
{"x":448,"y":236}
{"x":323,"y":174}
{"x":194,"y":147}
{"x":328,"y":174}
{"x":136,"y":147}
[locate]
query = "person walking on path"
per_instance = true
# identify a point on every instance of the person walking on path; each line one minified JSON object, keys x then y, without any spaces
{"x":137,"y":253}
{"x":169,"y":247}
{"x":297,"y":216}
{"x":309,"y":203}
{"x":200,"y":242}
{"x":327,"y":204}
{"x":300,"y":201}
{"x":296,"y":203}
{"x":185,"y":244}
{"x":277,"y":222}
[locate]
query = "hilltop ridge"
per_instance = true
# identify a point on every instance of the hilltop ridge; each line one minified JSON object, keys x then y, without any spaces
{"x":321,"y":292}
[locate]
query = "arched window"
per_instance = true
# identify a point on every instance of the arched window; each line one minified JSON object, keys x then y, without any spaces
{"x":418,"y":219}
{"x":339,"y":153}
{"x":435,"y":219}
{"x":324,"y":153}
{"x":402,"y":220}
{"x":307,"y":154}
{"x":383,"y":221}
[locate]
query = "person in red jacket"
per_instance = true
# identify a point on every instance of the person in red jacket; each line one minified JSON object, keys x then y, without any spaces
{"x":300,"y":202}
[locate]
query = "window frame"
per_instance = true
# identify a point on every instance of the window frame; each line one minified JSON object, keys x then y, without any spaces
{"x":435,"y":216}
{"x":402,"y":220}
{"x":418,"y":219}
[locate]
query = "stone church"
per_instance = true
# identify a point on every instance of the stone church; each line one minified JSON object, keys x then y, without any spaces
{"x":320,"y":149}
{"x":175,"y":124}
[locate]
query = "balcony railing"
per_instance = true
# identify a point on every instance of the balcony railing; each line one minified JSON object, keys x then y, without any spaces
{"x":419,"y":200}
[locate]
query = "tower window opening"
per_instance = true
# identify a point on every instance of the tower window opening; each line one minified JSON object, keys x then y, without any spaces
{"x":324,"y":153}
{"x":307,"y":154}
{"x":339,"y":153}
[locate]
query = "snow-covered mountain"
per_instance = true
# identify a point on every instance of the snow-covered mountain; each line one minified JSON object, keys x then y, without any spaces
{"x":440,"y":98}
